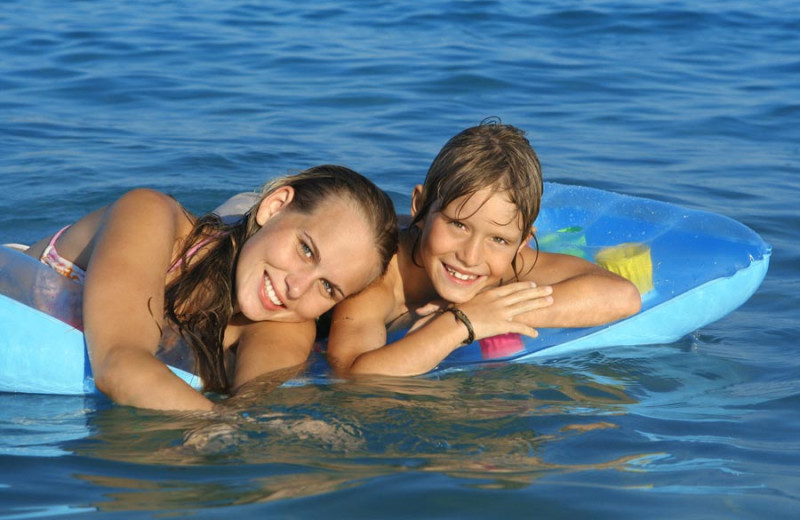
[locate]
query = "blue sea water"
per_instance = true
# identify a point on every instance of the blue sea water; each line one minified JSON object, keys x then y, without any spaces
{"x":694,"y":103}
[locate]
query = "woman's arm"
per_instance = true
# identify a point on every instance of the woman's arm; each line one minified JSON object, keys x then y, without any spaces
{"x":269,"y":346}
{"x":124,"y":302}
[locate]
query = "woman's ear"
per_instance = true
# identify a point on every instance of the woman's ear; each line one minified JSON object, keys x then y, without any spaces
{"x":274,"y":203}
{"x":416,"y":200}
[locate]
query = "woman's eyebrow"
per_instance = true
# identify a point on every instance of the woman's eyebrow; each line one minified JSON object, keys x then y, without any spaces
{"x":313,"y":246}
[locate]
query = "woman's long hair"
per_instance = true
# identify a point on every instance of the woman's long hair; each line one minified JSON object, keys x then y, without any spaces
{"x":201,"y":298}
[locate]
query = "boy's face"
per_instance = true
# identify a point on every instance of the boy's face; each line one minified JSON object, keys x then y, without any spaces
{"x":469,"y":245}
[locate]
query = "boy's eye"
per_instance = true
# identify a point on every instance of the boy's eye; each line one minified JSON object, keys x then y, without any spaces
{"x":456,"y":223}
{"x":500,"y":240}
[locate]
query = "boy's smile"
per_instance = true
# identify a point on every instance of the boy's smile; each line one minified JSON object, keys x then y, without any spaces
{"x":469,"y":245}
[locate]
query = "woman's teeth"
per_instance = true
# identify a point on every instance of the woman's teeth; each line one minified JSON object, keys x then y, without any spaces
{"x":273,"y":297}
{"x":460,"y":276}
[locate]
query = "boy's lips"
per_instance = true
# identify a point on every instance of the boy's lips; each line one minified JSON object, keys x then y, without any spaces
{"x":460,"y":275}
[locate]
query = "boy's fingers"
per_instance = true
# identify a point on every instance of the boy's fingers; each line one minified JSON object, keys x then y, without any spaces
{"x":523,"y":329}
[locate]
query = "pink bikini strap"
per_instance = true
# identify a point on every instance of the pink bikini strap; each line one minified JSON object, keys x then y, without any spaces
{"x":52,"y":242}
{"x":190,"y":253}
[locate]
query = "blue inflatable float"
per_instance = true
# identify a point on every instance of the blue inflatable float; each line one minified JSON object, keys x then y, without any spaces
{"x":692,"y":268}
{"x":42,"y":349}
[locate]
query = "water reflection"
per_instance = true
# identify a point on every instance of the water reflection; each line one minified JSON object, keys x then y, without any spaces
{"x":493,"y":429}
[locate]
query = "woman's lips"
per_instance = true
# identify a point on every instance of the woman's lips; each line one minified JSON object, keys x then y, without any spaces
{"x":269,"y":296}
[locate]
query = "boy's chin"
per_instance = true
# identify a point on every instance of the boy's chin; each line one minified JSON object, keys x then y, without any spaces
{"x":454,"y":295}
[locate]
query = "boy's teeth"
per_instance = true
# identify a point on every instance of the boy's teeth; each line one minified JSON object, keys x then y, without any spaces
{"x":271,"y":292}
{"x":460,"y":276}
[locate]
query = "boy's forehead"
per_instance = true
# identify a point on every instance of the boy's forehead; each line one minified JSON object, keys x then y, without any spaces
{"x":493,"y":206}
{"x":496,"y":200}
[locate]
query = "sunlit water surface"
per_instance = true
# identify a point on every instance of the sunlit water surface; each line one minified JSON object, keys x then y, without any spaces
{"x":691,"y":103}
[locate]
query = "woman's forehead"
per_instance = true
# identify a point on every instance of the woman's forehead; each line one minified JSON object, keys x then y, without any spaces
{"x":347,"y":250}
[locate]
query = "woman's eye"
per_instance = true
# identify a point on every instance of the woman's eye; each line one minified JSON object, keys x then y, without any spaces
{"x":327,"y":287}
{"x":305,"y":250}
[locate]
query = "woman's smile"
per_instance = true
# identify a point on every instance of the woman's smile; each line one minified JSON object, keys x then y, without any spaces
{"x":269,"y":296}
{"x":296,"y":267}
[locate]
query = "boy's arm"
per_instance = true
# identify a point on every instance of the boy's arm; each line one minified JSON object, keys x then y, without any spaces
{"x":357,"y":342}
{"x":358,"y":326}
{"x":584,"y":294}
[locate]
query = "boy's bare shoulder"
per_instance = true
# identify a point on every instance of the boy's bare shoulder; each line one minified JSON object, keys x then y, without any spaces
{"x":379,"y":299}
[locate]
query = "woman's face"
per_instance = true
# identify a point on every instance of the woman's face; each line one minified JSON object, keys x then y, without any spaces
{"x":297,"y":266}
{"x":469,"y":245}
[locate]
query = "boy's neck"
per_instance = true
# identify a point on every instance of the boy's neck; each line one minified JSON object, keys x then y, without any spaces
{"x":417,"y":287}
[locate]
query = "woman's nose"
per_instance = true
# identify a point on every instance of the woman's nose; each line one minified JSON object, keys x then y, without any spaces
{"x":297,"y":284}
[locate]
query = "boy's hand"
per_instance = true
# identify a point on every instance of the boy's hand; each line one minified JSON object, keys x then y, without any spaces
{"x":495,"y":311}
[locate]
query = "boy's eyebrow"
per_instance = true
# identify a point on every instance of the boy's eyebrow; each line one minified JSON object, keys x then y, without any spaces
{"x":318,"y":257}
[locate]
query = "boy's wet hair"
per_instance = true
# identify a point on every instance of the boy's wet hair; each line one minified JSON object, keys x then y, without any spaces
{"x":490,"y":155}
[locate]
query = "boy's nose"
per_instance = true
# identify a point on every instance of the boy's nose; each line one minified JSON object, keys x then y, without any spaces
{"x":471,"y":252}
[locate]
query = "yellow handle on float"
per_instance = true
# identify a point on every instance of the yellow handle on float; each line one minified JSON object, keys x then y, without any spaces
{"x":631,"y":261}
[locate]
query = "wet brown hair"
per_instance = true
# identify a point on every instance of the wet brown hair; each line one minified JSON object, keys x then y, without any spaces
{"x":490,"y":155}
{"x":200,"y":299}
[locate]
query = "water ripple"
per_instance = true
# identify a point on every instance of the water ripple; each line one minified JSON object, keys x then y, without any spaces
{"x":691,"y":103}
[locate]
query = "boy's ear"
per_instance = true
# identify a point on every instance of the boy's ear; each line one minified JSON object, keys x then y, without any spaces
{"x":526,"y":239}
{"x":274,"y":203}
{"x":416,"y":199}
